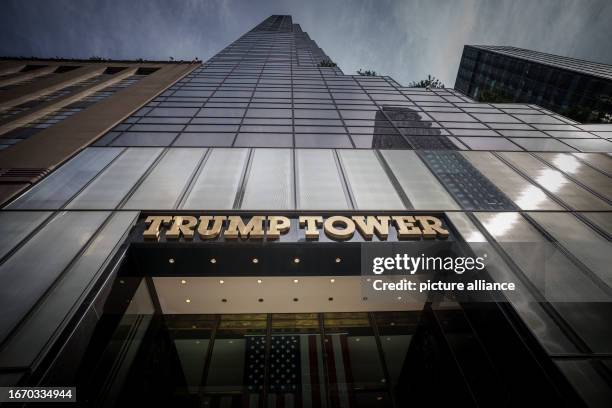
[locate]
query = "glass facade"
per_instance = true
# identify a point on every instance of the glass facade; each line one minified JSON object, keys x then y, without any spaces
{"x":574,"y":88}
{"x":266,"y":125}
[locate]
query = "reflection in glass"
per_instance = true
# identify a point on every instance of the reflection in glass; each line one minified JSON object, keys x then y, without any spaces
{"x":416,"y":128}
{"x":240,"y":339}
{"x":354,"y":369}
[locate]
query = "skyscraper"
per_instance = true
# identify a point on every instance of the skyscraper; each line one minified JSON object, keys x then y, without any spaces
{"x":206,"y":244}
{"x":578,"y":89}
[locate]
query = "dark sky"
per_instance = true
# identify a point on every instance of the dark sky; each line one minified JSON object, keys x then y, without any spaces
{"x":405,"y":39}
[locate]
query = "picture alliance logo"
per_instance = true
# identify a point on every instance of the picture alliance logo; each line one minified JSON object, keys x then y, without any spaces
{"x":405,"y":263}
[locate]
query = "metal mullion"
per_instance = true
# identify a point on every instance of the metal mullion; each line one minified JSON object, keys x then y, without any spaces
{"x":102,"y":170}
{"x":577,"y":262}
{"x":29,"y":236}
{"x":323,"y":343}
{"x":393,"y":179}
{"x":140,"y":180}
{"x":219,"y":85}
{"x":520,"y":172}
{"x":452,"y":352}
{"x":570,"y":177}
{"x":595,"y":227}
{"x":58,"y":278}
{"x":209,"y":351}
{"x":194,"y":176}
{"x":246,"y":109}
{"x":589,"y":164}
{"x":496,"y":130}
{"x":324,"y":78}
{"x":563,"y":325}
{"x":292,"y":108}
{"x":447,"y":189}
{"x":243,"y":180}
{"x":295,"y":180}
{"x":397,"y":129}
{"x":345,"y":183}
{"x":381,"y":357}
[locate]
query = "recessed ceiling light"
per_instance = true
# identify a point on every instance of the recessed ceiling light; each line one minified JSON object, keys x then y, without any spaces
{"x":171,"y":260}
{"x":122,"y":281}
{"x":221,"y":281}
{"x":255,"y":260}
{"x":332,"y":280}
{"x":259,"y":281}
{"x":213,"y":260}
{"x":296,"y":260}
{"x":399,"y":298}
{"x":338,"y":260}
{"x":183,"y":281}
{"x":295,"y":281}
{"x":187,"y":300}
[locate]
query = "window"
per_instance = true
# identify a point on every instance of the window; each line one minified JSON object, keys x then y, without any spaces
{"x":63,"y":183}
{"x":541,"y":144}
{"x":144,"y":139}
{"x":489,"y":143}
{"x":264,"y":140}
{"x":178,"y":112}
{"x":218,"y":181}
{"x":322,"y":140}
{"x":370,"y":185}
{"x":269,"y":184}
{"x":109,"y":188}
{"x":318,"y":180}
{"x":162,"y":188}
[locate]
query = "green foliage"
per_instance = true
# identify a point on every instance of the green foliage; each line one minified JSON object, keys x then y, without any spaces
{"x":366,"y":72}
{"x":493,"y":95}
{"x":430,"y":82}
{"x":327,"y":63}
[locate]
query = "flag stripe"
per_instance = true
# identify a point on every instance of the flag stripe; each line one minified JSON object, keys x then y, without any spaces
{"x":339,"y":368}
{"x":346,"y":358}
{"x":331,"y":372}
{"x":314,"y":371}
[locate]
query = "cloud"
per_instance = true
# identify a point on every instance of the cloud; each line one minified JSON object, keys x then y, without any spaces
{"x":404,"y":39}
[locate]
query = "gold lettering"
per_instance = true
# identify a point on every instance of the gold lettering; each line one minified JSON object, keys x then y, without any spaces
{"x":312,"y":224}
{"x":340,"y":234}
{"x":182,"y":225}
{"x":214,"y":231}
{"x":236,"y":228}
{"x":431,"y":226}
{"x":155,"y":222}
{"x":277,"y":226}
{"x":406,"y":228}
{"x":370,"y":225}
{"x":340,"y":228}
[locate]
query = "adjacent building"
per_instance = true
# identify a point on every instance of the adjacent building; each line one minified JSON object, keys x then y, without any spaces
{"x":192,"y":234}
{"x":578,"y":89}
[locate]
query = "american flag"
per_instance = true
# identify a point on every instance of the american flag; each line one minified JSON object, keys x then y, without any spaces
{"x":296,"y":371}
